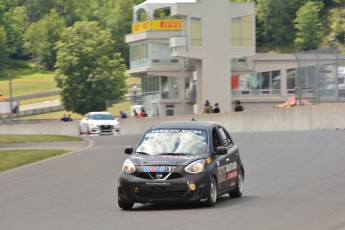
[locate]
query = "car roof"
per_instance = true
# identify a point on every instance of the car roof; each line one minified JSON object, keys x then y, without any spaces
{"x":184,"y":124}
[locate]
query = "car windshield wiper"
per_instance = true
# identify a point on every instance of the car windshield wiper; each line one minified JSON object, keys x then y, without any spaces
{"x":144,"y":153}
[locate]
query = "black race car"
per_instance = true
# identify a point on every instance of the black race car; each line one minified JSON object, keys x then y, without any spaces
{"x":181,"y":161}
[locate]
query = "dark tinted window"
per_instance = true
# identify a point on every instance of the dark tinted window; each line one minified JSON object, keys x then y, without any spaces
{"x":101,"y":116}
{"x":224,"y":136}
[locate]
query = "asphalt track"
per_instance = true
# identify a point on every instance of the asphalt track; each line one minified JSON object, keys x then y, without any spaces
{"x":293,"y":181}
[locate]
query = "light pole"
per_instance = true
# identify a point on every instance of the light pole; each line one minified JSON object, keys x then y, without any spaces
{"x":11,"y":106}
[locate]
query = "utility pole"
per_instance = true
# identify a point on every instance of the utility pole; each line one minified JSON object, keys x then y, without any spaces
{"x":11,"y":105}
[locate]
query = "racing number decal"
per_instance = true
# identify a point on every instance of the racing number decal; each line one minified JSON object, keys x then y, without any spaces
{"x":227,"y":172}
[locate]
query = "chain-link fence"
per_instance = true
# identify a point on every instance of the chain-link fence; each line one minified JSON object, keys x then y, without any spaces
{"x":317,"y":76}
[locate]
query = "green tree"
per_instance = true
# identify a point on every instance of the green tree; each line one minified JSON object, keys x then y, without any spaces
{"x":337,"y":26}
{"x":15,"y":23}
{"x":120,"y":21}
{"x":66,"y":10}
{"x":275,"y":20}
{"x":3,"y":50}
{"x":88,"y":70}
{"x":309,"y":27}
{"x":37,"y":9}
{"x":41,"y":37}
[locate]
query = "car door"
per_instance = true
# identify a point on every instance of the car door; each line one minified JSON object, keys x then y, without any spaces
{"x":231,"y":158}
{"x":222,"y":161}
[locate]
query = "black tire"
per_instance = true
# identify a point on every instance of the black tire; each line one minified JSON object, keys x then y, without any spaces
{"x":125,"y":205}
{"x":239,"y":186}
{"x":212,"y":196}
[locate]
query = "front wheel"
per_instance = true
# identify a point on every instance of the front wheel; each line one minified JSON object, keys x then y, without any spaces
{"x":125,"y":205}
{"x":212,"y":197}
{"x":239,"y":187}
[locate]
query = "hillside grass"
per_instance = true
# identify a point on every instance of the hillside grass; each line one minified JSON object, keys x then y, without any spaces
{"x":25,"y":138}
{"x":39,"y":99}
{"x":10,"y":159}
{"x":28,"y":81}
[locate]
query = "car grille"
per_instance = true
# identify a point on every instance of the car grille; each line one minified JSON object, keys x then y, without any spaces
{"x":153,"y":176}
{"x":161,"y":192}
{"x":106,"y":128}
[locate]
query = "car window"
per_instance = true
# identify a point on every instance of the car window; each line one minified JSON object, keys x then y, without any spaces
{"x":224,"y":136}
{"x":101,"y":116}
{"x":174,"y":141}
{"x":215,"y":139}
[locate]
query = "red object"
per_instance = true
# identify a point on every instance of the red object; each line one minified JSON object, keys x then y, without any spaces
{"x":234,"y":82}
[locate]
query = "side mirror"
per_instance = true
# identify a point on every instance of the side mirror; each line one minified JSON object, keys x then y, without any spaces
{"x":221,"y":150}
{"x":128,"y":150}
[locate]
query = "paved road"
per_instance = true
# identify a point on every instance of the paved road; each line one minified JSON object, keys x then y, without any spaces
{"x":294,"y":180}
{"x":68,"y":145}
{"x":39,"y":105}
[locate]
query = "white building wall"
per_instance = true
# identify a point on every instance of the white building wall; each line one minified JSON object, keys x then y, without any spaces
{"x":216,"y":68}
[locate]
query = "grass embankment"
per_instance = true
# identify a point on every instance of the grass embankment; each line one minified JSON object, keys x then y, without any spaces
{"x":14,"y":158}
{"x":26,"y":81}
{"x":29,"y":81}
{"x":10,"y":159}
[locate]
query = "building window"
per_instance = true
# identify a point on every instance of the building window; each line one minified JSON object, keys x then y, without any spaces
{"x":291,"y":80}
{"x":138,"y":55}
{"x":195,"y":32}
{"x":160,"y":87}
{"x":190,"y":87}
{"x":170,"y":88}
{"x":275,"y":82}
{"x":256,"y":83}
{"x":169,"y":110}
{"x":242,"y":31}
{"x":160,"y":54}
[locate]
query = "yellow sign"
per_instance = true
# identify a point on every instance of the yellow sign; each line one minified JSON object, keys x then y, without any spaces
{"x":157,"y":25}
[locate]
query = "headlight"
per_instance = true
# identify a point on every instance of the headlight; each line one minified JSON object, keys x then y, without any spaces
{"x":196,"y":166}
{"x":128,"y":167}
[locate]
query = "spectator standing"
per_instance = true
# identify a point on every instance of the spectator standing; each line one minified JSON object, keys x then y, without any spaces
{"x":135,"y":114}
{"x":216,"y":108}
{"x":238,"y":106}
{"x":134,"y":92}
{"x":142,"y":113}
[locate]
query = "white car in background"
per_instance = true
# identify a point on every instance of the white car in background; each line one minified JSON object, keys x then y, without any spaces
{"x":99,"y":123}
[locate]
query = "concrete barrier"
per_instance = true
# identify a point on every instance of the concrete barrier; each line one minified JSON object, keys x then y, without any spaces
{"x":311,"y":117}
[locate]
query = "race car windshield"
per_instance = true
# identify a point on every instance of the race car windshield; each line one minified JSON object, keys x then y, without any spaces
{"x":174,"y":141}
{"x":102,"y":117}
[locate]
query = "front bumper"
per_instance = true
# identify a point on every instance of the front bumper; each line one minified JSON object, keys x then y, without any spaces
{"x":189,"y":188}
{"x":104,"y":130}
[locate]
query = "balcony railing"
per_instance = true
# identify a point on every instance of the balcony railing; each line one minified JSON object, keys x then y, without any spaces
{"x":152,"y":62}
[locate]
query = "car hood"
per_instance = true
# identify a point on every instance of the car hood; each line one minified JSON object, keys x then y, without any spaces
{"x":176,"y":160}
